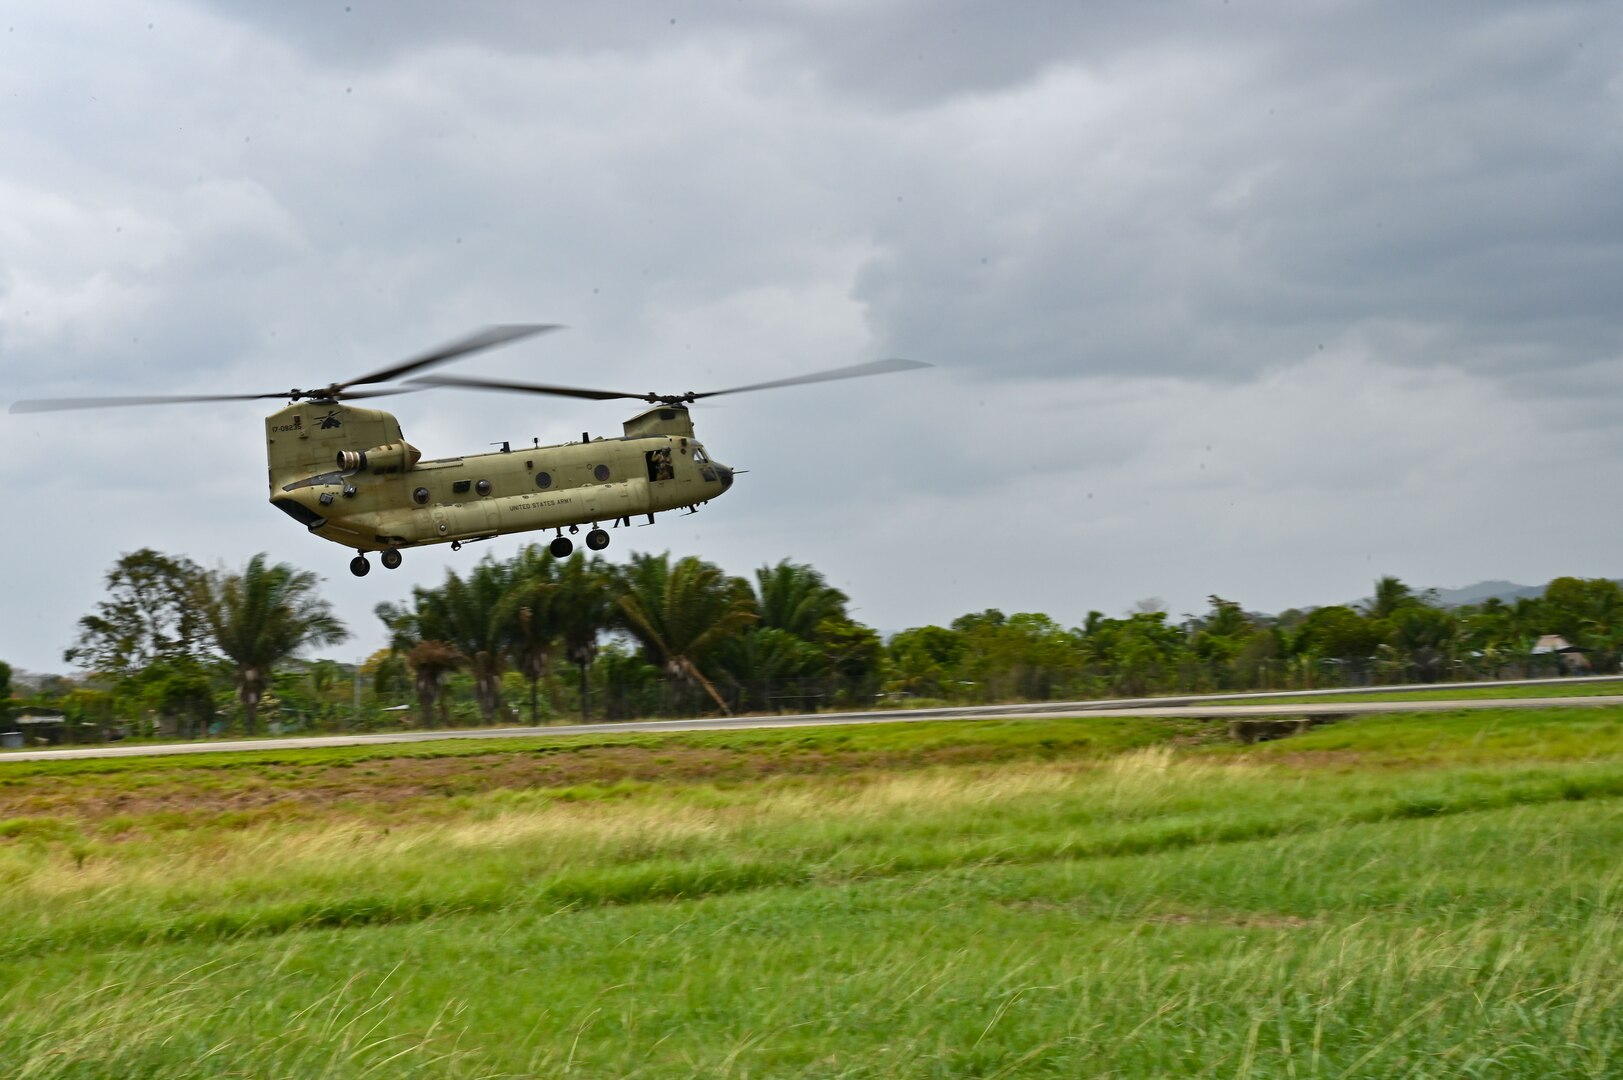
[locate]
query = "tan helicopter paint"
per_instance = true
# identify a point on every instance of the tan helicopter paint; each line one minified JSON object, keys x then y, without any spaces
{"x":349,"y":475}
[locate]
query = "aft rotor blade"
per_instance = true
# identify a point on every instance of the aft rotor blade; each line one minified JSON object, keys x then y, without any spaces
{"x":64,"y":404}
{"x":855,"y":371}
{"x":526,"y":388}
{"x":485,"y":339}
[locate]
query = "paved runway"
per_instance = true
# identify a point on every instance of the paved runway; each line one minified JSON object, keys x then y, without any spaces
{"x":1211,"y":707}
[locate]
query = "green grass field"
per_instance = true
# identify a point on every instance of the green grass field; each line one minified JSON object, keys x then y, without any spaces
{"x":1433,"y":896}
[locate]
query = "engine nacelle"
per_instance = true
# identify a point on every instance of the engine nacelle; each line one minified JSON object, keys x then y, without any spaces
{"x":390,"y":458}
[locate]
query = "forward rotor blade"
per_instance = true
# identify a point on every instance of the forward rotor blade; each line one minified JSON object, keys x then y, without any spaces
{"x":525,"y":388}
{"x":387,"y":392}
{"x":40,"y":405}
{"x":64,"y":404}
{"x":485,"y":339}
{"x":855,"y":371}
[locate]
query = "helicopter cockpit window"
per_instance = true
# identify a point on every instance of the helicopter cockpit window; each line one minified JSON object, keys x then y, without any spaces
{"x":698,"y":455}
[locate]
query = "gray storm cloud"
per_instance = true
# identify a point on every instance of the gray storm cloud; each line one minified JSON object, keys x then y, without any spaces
{"x":1263,"y":299}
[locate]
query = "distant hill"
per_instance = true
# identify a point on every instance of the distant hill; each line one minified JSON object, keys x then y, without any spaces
{"x":1507,"y":591}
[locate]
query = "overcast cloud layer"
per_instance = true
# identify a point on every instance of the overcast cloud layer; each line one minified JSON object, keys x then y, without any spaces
{"x":1256,"y":299}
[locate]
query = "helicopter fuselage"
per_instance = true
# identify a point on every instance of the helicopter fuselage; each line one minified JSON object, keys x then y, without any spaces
{"x":348,"y":475}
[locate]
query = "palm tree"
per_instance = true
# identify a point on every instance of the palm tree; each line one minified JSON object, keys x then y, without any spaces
{"x":583,"y":607}
{"x":798,"y":599}
{"x":1588,"y":612}
{"x":679,"y":613}
{"x":807,"y":640}
{"x":1391,"y":595}
{"x":768,"y":664}
{"x":1500,"y":636}
{"x":467,"y":615}
{"x":528,"y":613}
{"x":431,"y":664}
{"x":262,"y":617}
{"x":1425,"y":636}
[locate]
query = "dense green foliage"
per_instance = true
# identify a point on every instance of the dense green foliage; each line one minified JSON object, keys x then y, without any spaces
{"x":148,"y":616}
{"x":1418,"y":896}
{"x":262,"y":617}
{"x":540,"y":638}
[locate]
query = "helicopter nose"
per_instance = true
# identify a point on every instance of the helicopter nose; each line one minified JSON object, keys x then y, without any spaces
{"x":725,"y":475}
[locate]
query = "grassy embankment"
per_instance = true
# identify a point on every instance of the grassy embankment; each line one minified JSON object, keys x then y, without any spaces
{"x":1469,"y":692}
{"x":1435,"y":896}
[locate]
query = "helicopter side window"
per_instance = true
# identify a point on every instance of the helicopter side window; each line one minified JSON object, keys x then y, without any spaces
{"x":659,"y":464}
{"x":698,"y":455}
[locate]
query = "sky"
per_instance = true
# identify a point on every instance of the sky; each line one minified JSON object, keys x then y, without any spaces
{"x":1257,"y":299}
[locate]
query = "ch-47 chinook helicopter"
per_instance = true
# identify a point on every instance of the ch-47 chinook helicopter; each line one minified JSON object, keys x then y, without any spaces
{"x":348,"y":475}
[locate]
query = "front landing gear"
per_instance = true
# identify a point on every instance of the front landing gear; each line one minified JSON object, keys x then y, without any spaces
{"x":391,"y":559}
{"x":359,"y":566}
{"x":561,"y":546}
{"x":597,"y":539}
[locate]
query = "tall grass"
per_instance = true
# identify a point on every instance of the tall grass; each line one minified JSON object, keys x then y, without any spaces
{"x":1448,"y":909}
{"x":1324,"y":955}
{"x":521,"y":849}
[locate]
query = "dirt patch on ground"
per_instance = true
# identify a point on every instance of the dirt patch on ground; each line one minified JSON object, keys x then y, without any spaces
{"x":387,"y":784}
{"x":1320,"y":760}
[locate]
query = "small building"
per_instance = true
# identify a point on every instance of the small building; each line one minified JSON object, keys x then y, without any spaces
{"x":40,"y":729}
{"x":1568,"y":657}
{"x":53,"y":729}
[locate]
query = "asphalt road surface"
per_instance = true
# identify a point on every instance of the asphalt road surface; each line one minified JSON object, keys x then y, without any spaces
{"x":1206,"y":706}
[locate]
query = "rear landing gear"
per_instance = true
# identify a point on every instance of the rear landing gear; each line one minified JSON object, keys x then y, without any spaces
{"x":561,"y":546}
{"x":391,"y":559}
{"x":597,"y":539}
{"x":359,"y":566}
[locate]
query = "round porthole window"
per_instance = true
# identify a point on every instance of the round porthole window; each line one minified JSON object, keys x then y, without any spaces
{"x":543,"y":480}
{"x":420,"y":496}
{"x":601,"y":472}
{"x":482,"y":487}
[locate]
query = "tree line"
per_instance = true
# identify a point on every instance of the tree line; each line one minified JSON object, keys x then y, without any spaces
{"x":175,"y":650}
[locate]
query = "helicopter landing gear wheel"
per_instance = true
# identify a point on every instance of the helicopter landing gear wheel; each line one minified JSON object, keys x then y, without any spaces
{"x":561,"y":546}
{"x":597,"y":539}
{"x":359,"y":566}
{"x":391,"y":559}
